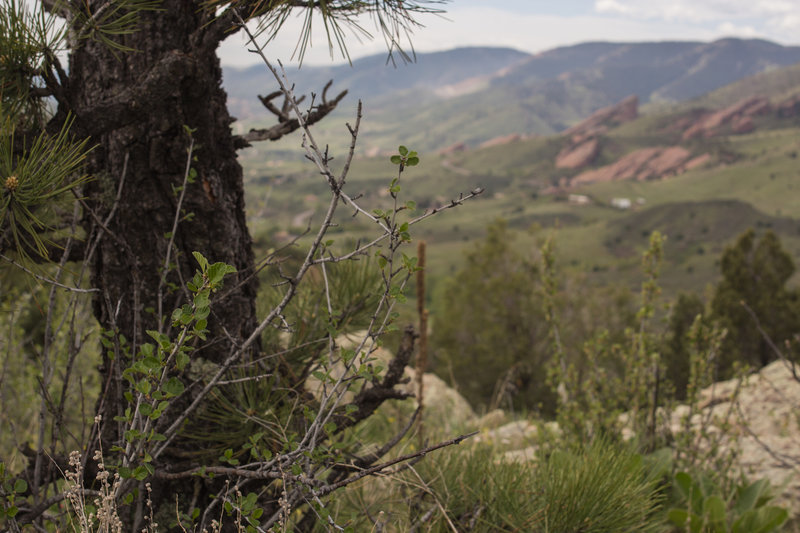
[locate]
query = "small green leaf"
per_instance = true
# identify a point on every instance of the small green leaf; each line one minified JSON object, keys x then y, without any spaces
{"x":412,"y":161}
{"x":144,"y":386}
{"x":750,"y":495}
{"x":715,"y":509}
{"x":201,"y":299}
{"x":202,"y":261}
{"x":20,"y":486}
{"x":403,"y":150}
{"x":140,"y":473}
{"x":173,"y":387}
{"x":396,"y":159}
{"x":181,"y":360}
{"x":678,"y":516}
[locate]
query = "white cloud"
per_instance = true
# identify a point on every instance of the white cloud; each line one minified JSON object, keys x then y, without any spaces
{"x":611,"y":6}
{"x":789,"y":23}
{"x":697,"y":11}
{"x":734,"y":30}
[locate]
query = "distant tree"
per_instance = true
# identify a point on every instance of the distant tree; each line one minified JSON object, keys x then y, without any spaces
{"x":489,"y":331}
{"x":675,"y":351}
{"x":753,"y":293}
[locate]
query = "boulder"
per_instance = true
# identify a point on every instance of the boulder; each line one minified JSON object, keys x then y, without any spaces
{"x":492,"y":419}
{"x":444,"y":406}
{"x":761,"y":424}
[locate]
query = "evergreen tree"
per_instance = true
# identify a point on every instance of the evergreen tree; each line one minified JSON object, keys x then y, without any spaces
{"x":141,"y":88}
{"x":752,"y":300}
{"x":490,"y":319}
{"x":686,"y":309}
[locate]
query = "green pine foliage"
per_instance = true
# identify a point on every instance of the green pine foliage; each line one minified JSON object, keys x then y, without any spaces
{"x":31,"y":183}
{"x":753,"y":301}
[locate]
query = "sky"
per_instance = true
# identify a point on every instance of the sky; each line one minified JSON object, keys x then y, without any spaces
{"x":537,"y":25}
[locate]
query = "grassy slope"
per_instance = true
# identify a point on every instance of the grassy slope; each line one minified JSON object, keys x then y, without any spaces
{"x":753,"y":183}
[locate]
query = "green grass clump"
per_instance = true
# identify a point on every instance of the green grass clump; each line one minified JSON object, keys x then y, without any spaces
{"x":596,"y":487}
{"x":599,"y":487}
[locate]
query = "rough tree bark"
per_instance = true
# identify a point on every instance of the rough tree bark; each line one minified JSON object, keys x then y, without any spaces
{"x":134,"y":107}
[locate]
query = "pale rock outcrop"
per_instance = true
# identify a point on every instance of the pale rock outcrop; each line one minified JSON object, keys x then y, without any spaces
{"x":765,"y":426}
{"x":442,"y":403}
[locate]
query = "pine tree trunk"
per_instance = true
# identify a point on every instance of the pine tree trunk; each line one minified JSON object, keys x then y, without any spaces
{"x":134,"y":106}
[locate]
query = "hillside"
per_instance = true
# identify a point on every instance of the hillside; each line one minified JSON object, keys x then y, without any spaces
{"x":472,"y":95}
{"x":700,"y":175}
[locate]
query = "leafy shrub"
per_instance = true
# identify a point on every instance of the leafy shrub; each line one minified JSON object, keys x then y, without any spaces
{"x":702,"y":506}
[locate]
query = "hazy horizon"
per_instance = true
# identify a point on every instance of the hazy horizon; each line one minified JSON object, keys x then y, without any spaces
{"x":534,"y":26}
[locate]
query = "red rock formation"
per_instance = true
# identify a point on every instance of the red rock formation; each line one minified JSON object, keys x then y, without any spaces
{"x":578,"y":156}
{"x":601,"y":120}
{"x":503,"y":139}
{"x":453,"y":148}
{"x":583,"y":146}
{"x":643,"y":164}
{"x":737,"y":114}
{"x":698,"y":161}
{"x":742,"y":125}
{"x":789,"y":107}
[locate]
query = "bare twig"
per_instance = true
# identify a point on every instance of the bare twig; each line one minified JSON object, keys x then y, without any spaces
{"x":383,"y":466}
{"x":44,"y":279}
{"x":165,"y":269}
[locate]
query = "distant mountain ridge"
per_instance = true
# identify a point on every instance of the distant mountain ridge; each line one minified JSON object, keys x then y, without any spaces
{"x":671,"y":71}
{"x":374,"y":76}
{"x":471,"y":95}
